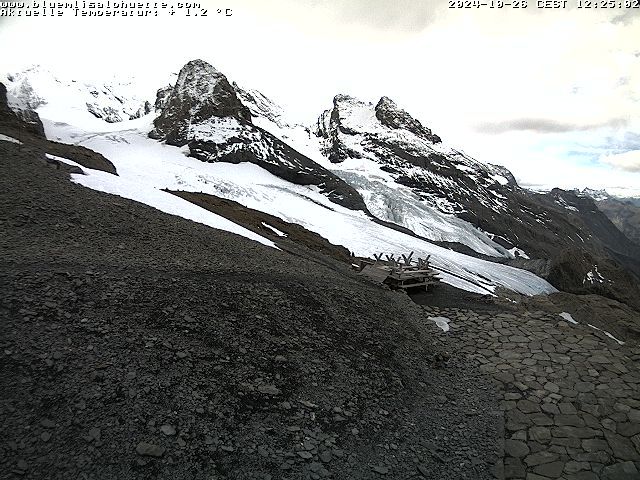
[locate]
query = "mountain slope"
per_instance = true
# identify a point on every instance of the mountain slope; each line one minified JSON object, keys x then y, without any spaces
{"x":604,"y":261}
{"x":140,"y":345}
{"x":147,"y":166}
{"x":602,"y":228}
{"x":151,"y":165}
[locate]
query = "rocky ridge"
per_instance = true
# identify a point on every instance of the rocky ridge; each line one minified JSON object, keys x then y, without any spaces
{"x":389,"y":115}
{"x":203,"y":111}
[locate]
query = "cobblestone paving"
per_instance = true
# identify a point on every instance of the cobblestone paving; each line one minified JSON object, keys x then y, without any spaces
{"x":570,"y":394}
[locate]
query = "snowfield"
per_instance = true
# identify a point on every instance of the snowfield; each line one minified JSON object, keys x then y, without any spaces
{"x":146,"y":166}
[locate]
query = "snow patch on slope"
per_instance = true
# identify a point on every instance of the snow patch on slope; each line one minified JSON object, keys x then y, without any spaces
{"x":163,"y":201}
{"x":593,"y":276}
{"x":274,"y":230}
{"x":619,"y":342}
{"x":567,"y":316}
{"x":441,"y":322}
{"x":6,"y":138}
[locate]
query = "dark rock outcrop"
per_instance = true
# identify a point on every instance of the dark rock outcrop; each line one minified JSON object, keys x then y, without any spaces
{"x":162,"y":96}
{"x":142,"y":111}
{"x":200,"y":93}
{"x":330,"y":126}
{"x":108,"y":114}
{"x":24,"y":119}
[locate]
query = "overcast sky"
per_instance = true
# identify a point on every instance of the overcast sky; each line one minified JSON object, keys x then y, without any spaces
{"x":552,"y":94}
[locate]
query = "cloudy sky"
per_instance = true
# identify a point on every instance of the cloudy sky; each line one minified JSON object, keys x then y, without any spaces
{"x":553,"y":94}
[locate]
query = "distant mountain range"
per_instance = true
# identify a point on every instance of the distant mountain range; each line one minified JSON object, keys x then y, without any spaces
{"x":623,"y":212}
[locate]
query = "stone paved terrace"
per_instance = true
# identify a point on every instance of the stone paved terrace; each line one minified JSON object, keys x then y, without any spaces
{"x":570,"y":394}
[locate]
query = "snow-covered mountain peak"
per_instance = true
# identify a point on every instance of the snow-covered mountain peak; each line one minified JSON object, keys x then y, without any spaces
{"x":21,"y":90}
{"x":597,"y":195}
{"x":352,"y":115}
{"x":203,"y":111}
{"x":423,"y":177}
{"x":201,"y":101}
{"x":73,"y":101}
{"x":383,"y":121}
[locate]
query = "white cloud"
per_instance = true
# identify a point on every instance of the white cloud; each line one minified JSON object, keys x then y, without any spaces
{"x":629,"y":161}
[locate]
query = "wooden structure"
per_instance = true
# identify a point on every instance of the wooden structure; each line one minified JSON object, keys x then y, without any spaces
{"x":399,"y":273}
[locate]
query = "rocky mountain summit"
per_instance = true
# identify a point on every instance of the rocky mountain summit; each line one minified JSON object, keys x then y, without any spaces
{"x":411,"y":153}
{"x":203,"y":111}
{"x":201,"y":95}
{"x":393,"y":117}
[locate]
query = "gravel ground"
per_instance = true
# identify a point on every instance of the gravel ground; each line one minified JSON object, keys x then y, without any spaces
{"x":134,"y":344}
{"x":569,"y":392}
